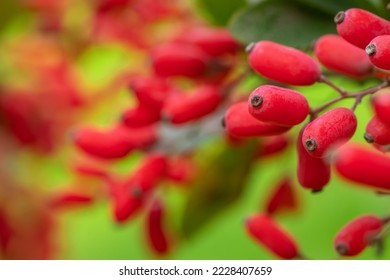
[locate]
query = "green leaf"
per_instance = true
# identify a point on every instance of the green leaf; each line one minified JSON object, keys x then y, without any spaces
{"x":283,"y":22}
{"x":223,"y":179}
{"x":330,"y":7}
{"x":219,"y":12}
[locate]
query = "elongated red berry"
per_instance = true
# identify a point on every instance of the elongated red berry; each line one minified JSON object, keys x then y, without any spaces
{"x":377,"y":132}
{"x":313,"y":173}
{"x":277,"y":105}
{"x":338,"y":55}
{"x":140,"y":115}
{"x":378,"y":51}
{"x":182,"y":108}
{"x":272,"y":236}
{"x":362,"y":165}
{"x":108,"y":144}
{"x":283,"y":64}
{"x":381,"y":104}
{"x":69,"y":198}
{"x":171,"y":60}
{"x":155,"y":232}
{"x":359,"y":26}
{"x":355,"y":236}
{"x":149,"y":172}
{"x":213,"y":41}
{"x":283,"y":198}
{"x":127,"y":200}
{"x":150,"y":91}
{"x":115,"y":142}
{"x":336,"y":126}
{"x":273,"y":145}
{"x":90,"y":170}
{"x":240,"y":123}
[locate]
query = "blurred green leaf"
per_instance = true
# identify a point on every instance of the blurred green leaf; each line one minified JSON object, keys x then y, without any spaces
{"x":219,"y":12}
{"x":223,"y":177}
{"x":283,"y":22}
{"x":331,"y":7}
{"x":8,"y":11}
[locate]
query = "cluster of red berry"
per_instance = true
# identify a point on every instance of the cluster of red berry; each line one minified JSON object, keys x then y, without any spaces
{"x":359,"y":51}
{"x":191,"y":81}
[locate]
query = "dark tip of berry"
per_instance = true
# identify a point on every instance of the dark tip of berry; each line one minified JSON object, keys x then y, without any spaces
{"x":316,"y":191}
{"x":256,"y":101}
{"x":342,"y":248}
{"x":311,"y":145}
{"x":368,"y":138}
{"x":250,"y":47}
{"x":371,"y":49}
{"x":223,"y":122}
{"x":339,"y":17}
{"x":136,"y":191}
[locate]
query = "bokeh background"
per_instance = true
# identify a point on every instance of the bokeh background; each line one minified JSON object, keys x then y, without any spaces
{"x":75,"y":72}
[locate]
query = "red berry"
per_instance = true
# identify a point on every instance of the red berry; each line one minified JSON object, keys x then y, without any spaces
{"x":283,"y":64}
{"x":150,"y":91}
{"x":338,"y":55}
{"x":182,"y":108}
{"x":140,"y":116}
{"x":240,"y":123}
{"x":359,"y":26}
{"x":107,"y":144}
{"x":171,"y":60}
{"x":377,"y":132}
{"x":213,"y":41}
{"x":127,"y":202}
{"x":149,"y":172}
{"x":378,"y":51}
{"x":88,"y":170}
{"x":381,"y":104}
{"x":69,"y":198}
{"x":354,"y":237}
{"x":283,"y":198}
{"x":115,"y":142}
{"x":273,"y":145}
{"x":277,"y":105}
{"x":155,"y":232}
{"x":313,"y":173}
{"x":336,"y":126}
{"x":364,"y":166}
{"x":266,"y":231}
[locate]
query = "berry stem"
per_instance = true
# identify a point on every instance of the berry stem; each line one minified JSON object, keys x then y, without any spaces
{"x":229,"y":87}
{"x":325,"y":80}
{"x":358,"y":96}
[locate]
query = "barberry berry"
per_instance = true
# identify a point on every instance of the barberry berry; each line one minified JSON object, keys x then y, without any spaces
{"x":185,"y":107}
{"x":336,"y":126}
{"x":277,"y":105}
{"x":378,"y":51}
{"x":355,"y":236}
{"x":313,"y":173}
{"x":338,"y":55}
{"x":364,"y":166}
{"x":359,"y":26}
{"x":240,"y":123}
{"x":272,"y":236}
{"x":283,"y":64}
{"x":377,"y":132}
